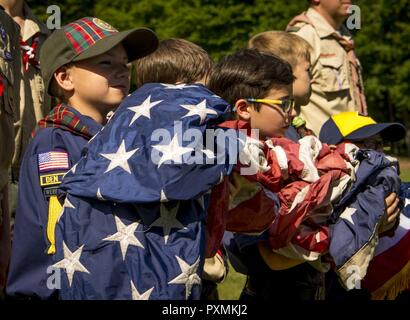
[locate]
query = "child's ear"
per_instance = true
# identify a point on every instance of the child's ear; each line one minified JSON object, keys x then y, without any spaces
{"x":242,"y":108}
{"x":63,"y":78}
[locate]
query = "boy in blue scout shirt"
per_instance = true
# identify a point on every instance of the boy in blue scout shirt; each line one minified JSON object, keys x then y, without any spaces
{"x":85,"y":67}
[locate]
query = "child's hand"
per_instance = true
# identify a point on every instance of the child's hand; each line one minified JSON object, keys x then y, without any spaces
{"x":392,"y":207}
{"x":391,"y":218}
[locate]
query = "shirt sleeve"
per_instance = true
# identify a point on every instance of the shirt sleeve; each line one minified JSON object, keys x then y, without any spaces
{"x":40,"y":174}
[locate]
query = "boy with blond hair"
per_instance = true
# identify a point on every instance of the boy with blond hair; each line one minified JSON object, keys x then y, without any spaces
{"x":297,"y":52}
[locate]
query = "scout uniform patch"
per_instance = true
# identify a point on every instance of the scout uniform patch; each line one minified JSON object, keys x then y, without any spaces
{"x":51,"y":161}
{"x":104,"y":25}
{"x":52,"y":167}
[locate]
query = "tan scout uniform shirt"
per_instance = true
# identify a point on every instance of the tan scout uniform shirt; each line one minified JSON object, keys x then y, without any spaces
{"x":33,"y":104}
{"x":332,"y":90}
{"x":10,"y":74}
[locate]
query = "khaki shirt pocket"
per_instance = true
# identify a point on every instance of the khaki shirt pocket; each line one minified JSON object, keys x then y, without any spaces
{"x":333,"y":75}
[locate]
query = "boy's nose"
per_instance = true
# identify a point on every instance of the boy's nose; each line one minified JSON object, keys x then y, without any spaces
{"x":293,"y":113}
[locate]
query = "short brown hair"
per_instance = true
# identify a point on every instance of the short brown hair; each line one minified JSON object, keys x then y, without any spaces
{"x":287,"y":46}
{"x":175,"y":60}
{"x":249,"y":73}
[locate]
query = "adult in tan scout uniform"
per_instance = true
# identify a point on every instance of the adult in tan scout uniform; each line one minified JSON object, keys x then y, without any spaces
{"x":337,"y":84}
{"x":33,"y":105}
{"x":9,"y":48}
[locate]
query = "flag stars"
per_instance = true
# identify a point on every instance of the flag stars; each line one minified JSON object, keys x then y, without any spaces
{"x":67,"y":204}
{"x":71,"y":262}
{"x":348,"y":215}
{"x":140,"y":296}
{"x":172,"y":151}
{"x":143,"y":110}
{"x":163,"y":196}
{"x":119,"y":158}
{"x":125,"y":236}
{"x":99,"y":195}
{"x":177,"y":86}
{"x":188,"y":277}
{"x":200,"y":110}
{"x":74,"y":168}
{"x":168,"y":220}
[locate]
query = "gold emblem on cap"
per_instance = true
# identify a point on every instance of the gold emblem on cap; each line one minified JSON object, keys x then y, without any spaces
{"x":104,"y":25}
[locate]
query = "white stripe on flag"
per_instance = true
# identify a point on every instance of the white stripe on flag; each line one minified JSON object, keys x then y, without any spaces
{"x":386,"y":243}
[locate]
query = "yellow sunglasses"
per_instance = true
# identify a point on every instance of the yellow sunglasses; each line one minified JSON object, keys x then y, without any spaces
{"x":286,"y":104}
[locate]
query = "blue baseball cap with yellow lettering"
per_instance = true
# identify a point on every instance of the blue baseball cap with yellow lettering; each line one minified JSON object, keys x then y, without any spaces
{"x":355,"y":126}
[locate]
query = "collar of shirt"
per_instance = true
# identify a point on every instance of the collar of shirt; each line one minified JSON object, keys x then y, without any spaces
{"x":32,"y":25}
{"x":323,"y":28}
{"x":92,"y":125}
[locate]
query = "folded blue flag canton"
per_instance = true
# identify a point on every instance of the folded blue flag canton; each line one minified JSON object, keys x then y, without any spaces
{"x":133,"y":224}
{"x":154,"y":148}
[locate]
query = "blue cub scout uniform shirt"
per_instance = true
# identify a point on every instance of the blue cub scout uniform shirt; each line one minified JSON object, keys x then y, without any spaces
{"x":51,"y":153}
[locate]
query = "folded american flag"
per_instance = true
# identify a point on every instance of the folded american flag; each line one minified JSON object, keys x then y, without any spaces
{"x":359,"y":214}
{"x":133,"y":223}
{"x":331,"y":201}
{"x":290,"y":196}
{"x":389,"y":271}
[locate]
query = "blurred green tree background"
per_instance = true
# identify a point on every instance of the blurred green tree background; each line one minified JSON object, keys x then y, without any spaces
{"x":222,"y":26}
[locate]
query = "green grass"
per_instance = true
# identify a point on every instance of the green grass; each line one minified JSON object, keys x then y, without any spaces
{"x":405,"y":175}
{"x":232,"y":287}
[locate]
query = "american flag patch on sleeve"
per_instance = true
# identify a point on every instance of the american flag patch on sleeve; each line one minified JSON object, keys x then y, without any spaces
{"x":53,"y":160}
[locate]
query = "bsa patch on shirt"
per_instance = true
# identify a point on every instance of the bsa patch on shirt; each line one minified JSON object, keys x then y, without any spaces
{"x":49,"y":192}
{"x":51,"y":179}
{"x":53,"y":160}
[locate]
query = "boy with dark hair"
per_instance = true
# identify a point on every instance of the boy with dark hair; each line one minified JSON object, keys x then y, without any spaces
{"x":292,"y":278}
{"x":268,"y":80}
{"x":259,"y":87}
{"x":85,"y":65}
